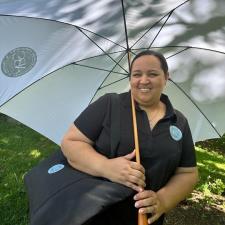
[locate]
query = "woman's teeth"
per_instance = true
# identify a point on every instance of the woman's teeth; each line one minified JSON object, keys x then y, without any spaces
{"x":144,"y":89}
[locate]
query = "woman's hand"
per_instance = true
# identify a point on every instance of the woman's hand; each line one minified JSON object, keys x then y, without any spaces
{"x":148,"y":202}
{"x":124,"y":171}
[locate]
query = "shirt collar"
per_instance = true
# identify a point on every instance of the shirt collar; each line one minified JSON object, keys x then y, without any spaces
{"x":170,"y":112}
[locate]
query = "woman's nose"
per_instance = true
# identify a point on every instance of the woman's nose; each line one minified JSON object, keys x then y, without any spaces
{"x":144,"y":79}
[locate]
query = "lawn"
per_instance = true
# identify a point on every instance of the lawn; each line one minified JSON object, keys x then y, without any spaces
{"x":21,"y":148}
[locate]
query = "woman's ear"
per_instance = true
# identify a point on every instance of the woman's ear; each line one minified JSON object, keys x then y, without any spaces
{"x":167,"y":76}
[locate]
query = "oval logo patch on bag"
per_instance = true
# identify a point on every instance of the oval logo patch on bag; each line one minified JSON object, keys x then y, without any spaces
{"x":175,"y":133}
{"x":56,"y":168}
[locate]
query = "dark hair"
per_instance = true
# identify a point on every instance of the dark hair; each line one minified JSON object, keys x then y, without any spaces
{"x":158,"y":55}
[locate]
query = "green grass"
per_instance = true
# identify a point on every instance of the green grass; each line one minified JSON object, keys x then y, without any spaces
{"x":212,"y":171}
{"x":21,"y":148}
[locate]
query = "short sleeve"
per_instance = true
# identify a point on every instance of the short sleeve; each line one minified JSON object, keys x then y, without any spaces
{"x":188,"y":157}
{"x":90,"y":121}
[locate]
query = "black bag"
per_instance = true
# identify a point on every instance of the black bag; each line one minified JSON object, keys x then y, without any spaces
{"x":60,"y":195}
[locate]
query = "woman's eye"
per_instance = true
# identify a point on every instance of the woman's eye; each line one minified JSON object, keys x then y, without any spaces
{"x":136,"y":74}
{"x":153,"y":74}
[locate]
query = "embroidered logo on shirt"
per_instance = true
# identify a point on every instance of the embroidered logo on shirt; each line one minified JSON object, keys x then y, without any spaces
{"x":56,"y":168}
{"x":175,"y":133}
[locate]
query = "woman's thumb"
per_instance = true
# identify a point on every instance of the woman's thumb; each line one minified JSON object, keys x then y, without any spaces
{"x":130,"y":155}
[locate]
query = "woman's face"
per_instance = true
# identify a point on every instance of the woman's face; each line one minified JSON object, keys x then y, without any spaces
{"x":147,"y":80}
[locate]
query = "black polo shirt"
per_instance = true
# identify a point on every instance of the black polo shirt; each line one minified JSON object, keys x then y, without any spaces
{"x":164,"y":148}
{"x":161,"y":151}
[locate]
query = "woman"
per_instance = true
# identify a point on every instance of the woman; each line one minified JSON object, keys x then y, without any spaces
{"x":168,"y":172}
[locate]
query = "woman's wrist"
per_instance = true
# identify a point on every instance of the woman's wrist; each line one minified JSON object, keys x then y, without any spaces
{"x":102,"y":167}
{"x":164,"y":208}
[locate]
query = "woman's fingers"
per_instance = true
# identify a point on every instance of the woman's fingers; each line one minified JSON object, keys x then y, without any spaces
{"x":130,"y":156}
{"x":124,"y":171}
{"x":133,"y":186}
{"x":136,"y":175}
{"x":147,"y":202}
{"x":137,"y":166}
{"x":139,"y":180}
{"x":147,"y":210}
{"x":145,"y":195}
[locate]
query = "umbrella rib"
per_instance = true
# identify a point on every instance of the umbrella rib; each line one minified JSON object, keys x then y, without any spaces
{"x":113,"y":82}
{"x":113,"y":69}
{"x":178,"y":52}
{"x":45,"y":76}
{"x":95,"y":56}
{"x":101,"y":48}
{"x":205,"y":49}
{"x":195,"y":106}
{"x":160,"y":29}
{"x":78,"y":27}
{"x":67,"y":23}
{"x":101,"y":69}
{"x":106,"y":78}
{"x":149,"y":30}
{"x":190,"y":47}
{"x":126,"y":34}
{"x":185,"y":48}
{"x":50,"y":74}
{"x":168,"y":15}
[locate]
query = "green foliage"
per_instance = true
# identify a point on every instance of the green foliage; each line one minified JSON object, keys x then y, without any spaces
{"x":217,"y":186}
{"x":210,"y":187}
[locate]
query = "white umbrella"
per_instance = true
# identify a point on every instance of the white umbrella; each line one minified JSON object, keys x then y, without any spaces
{"x":59,"y":55}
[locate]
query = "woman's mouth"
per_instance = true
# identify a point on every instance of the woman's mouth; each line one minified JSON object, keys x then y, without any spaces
{"x":144,"y":90}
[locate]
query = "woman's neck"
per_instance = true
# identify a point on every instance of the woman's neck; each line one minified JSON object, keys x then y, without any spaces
{"x":154,"y":112}
{"x":151,"y":107}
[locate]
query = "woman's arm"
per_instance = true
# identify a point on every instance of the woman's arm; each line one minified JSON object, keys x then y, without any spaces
{"x":178,"y":188}
{"x":81,"y":155}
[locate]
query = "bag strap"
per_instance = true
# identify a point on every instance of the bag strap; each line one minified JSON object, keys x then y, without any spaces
{"x":115,"y":124}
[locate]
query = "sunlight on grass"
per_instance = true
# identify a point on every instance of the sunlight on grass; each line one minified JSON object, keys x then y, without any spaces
{"x":218,"y":165}
{"x":210,"y":160}
{"x":210,"y":153}
{"x":4,"y":140}
{"x":211,"y":167}
{"x":35,"y":153}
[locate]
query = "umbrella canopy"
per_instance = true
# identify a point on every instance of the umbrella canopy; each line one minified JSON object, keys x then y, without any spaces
{"x":59,"y":55}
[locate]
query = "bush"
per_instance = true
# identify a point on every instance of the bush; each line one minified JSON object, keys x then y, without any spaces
{"x":216,"y":186}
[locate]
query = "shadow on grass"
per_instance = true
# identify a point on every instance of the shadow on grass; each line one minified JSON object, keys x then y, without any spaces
{"x":217,"y":144}
{"x":196,"y":212}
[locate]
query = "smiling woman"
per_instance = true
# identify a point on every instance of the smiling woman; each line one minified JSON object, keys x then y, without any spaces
{"x":168,"y":172}
{"x":149,"y":74}
{"x":89,"y":40}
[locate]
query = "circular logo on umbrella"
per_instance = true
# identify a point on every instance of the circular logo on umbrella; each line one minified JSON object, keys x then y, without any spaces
{"x":18,"y":61}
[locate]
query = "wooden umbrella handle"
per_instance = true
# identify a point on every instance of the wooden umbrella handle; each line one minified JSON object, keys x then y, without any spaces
{"x":142,"y":218}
